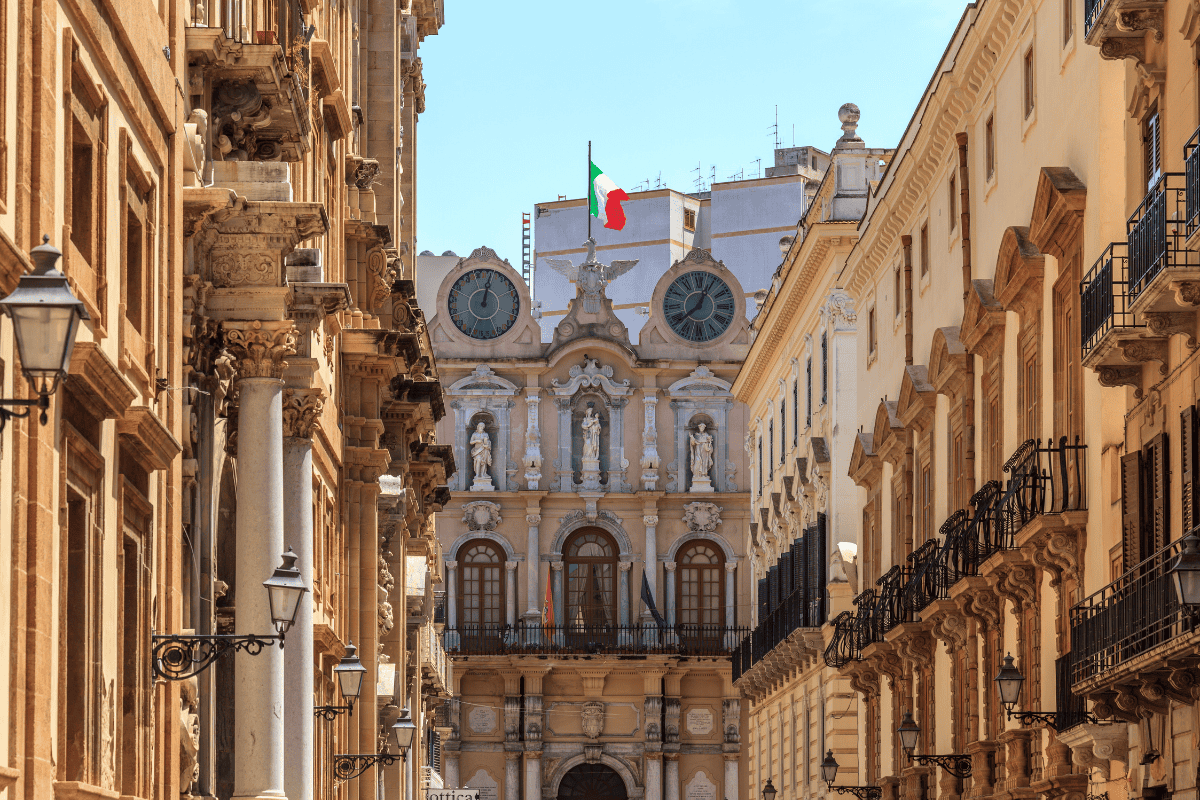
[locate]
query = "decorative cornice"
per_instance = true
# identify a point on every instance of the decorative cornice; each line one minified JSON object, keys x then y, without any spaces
{"x":147,"y":438}
{"x":97,"y":382}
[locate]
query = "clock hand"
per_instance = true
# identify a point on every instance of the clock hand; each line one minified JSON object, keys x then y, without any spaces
{"x":487,"y":285}
{"x":695,"y":308}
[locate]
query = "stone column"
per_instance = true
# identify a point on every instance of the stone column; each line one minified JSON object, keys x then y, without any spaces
{"x":533,"y":775}
{"x":452,"y":604}
{"x":512,"y":775}
{"x":259,"y":689}
{"x":531,"y":549}
{"x":452,"y":778}
{"x":654,"y":776}
{"x":731,"y":775}
{"x":556,"y":581}
{"x":730,"y":603}
{"x":301,"y":410}
{"x":669,"y":601}
{"x":651,"y":523}
{"x":510,"y":594}
{"x":623,"y":568}
{"x":671,"y":776}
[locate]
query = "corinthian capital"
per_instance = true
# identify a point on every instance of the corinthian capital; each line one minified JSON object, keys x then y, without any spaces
{"x":260,"y":347}
{"x":301,"y":410}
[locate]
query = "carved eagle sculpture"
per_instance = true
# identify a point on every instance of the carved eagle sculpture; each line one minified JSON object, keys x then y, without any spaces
{"x":611,"y":272}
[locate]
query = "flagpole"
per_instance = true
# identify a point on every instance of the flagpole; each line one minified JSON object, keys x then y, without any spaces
{"x":588,"y":196}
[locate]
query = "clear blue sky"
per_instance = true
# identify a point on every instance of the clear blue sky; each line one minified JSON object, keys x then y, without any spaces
{"x":516,"y":90}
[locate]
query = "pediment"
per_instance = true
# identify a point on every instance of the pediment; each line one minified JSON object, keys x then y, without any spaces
{"x":145,"y":436}
{"x":1020,"y":266}
{"x":917,"y":398}
{"x":1058,"y":207}
{"x":95,"y":380}
{"x":948,"y":362}
{"x":884,"y":440}
{"x":701,"y":381}
{"x":865,"y":467}
{"x":982,"y":329}
{"x":483,"y":381}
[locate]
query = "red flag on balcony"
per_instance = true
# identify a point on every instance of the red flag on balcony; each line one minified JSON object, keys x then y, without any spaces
{"x":548,"y":608}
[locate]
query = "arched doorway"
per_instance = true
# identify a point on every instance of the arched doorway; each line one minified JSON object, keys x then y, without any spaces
{"x":592,"y":782}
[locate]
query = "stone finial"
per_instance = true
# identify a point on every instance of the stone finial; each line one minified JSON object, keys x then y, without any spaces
{"x":848,"y":115}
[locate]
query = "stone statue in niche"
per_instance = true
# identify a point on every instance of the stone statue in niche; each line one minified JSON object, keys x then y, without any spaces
{"x":481,"y":458}
{"x":591,"y":435}
{"x":702,"y":459}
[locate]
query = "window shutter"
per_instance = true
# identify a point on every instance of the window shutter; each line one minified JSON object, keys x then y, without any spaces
{"x":801,"y":565}
{"x":1131,"y":508}
{"x":1159,"y":497}
{"x":1187,"y":464}
{"x":762,"y":600}
{"x":772,"y":588}
{"x":1153,"y":148}
{"x":822,"y":565}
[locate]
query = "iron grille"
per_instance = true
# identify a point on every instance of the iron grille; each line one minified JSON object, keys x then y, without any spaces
{"x":1091,"y":14}
{"x":1131,"y":616}
{"x":1191,"y":168}
{"x":1104,"y":296}
{"x":1157,"y":232}
{"x":537,"y":639}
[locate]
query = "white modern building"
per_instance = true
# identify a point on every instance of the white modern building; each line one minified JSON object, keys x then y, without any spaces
{"x":739,"y":222}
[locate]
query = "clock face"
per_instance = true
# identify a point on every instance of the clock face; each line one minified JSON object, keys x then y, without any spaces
{"x":699,"y":306}
{"x":483,"y":304}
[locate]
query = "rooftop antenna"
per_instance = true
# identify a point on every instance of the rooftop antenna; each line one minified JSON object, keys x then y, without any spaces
{"x":793,"y":134}
{"x":658,"y":181}
{"x":737,"y":176}
{"x":758,"y":161}
{"x":712,"y":176}
{"x":775,"y":129}
{"x":699,"y":177}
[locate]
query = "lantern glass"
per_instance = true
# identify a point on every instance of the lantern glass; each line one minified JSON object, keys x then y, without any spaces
{"x":403,"y":732}
{"x":829,"y":768}
{"x":1009,"y":681}
{"x":1185,"y":572}
{"x":909,"y":733}
{"x":349,"y":674}
{"x":769,"y":791}
{"x":285,"y":588}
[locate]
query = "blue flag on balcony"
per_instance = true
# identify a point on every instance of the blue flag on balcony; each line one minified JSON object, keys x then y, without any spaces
{"x":648,"y":599}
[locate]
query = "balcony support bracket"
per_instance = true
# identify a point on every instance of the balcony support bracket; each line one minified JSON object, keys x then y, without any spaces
{"x":1168,"y":323}
{"x":1121,"y":376}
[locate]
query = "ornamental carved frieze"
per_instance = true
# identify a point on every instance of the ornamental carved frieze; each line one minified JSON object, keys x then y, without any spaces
{"x":1187,"y":293}
{"x":481,"y":515}
{"x":1142,"y":19}
{"x":230,"y":269}
{"x":702,"y":517}
{"x":301,"y":412}
{"x":1140,"y":351}
{"x":259,"y":348}
{"x":593,"y":719}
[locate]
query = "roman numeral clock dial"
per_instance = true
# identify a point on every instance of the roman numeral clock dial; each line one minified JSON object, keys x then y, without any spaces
{"x":483,"y":304}
{"x":699,"y":306}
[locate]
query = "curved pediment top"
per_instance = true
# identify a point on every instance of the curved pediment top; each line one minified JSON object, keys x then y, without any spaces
{"x":947,"y":361}
{"x":886,"y":423}
{"x":698,"y":255}
{"x":591,"y":374}
{"x":483,"y":381}
{"x":1020,"y":266}
{"x":917,"y":397}
{"x":701,"y":381}
{"x":1058,"y":206}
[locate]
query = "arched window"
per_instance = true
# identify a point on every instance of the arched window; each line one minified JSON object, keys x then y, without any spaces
{"x":701,"y":590}
{"x":590,"y":560}
{"x":481,"y":587}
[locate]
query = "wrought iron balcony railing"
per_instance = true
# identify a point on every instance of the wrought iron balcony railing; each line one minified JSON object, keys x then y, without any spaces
{"x":1132,"y":615}
{"x":1157,"y":232}
{"x":800,"y":609}
{"x":1044,"y":478}
{"x":1104,"y":296}
{"x":522,"y":639}
{"x":1091,"y":14}
{"x":1191,"y":169}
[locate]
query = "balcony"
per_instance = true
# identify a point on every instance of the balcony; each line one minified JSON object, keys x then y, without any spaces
{"x":581,"y":639}
{"x":1044,"y":492}
{"x":799,"y":612}
{"x":1119,"y":27}
{"x":1105,"y":318}
{"x":1159,"y":259}
{"x":436,"y":669}
{"x":1127,"y":631}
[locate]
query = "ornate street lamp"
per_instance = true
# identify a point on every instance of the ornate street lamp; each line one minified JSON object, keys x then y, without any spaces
{"x":46,"y":316}
{"x":829,"y":769}
{"x":769,"y":791}
{"x":177,"y":657}
{"x":1185,"y":572}
{"x":1009,"y":682}
{"x":351,"y":765}
{"x":349,"y":676}
{"x":957,"y":764}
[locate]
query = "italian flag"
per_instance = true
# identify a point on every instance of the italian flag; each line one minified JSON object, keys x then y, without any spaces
{"x":604,"y":200}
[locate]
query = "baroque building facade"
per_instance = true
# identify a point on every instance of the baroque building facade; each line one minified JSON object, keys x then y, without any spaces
{"x":595,"y":475}
{"x":232,"y":188}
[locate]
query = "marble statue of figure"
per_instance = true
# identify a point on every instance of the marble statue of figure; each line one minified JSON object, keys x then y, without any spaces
{"x":481,"y":452}
{"x":591,"y":435}
{"x":702,"y":452}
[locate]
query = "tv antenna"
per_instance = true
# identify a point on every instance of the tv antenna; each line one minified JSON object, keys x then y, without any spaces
{"x":758,"y":161}
{"x":658,"y":181}
{"x":775,"y":129}
{"x":737,"y":176}
{"x":699,"y":177}
{"x":712,"y":176}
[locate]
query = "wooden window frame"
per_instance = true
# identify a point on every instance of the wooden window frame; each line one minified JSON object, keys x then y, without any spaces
{"x":481,"y":628}
{"x":1068,"y":21}
{"x":1029,"y":82}
{"x":1068,"y":369}
{"x":989,"y":147}
{"x":872,"y":334}
{"x":926,"y":256}
{"x":1152,"y":146}
{"x":134,"y":691}
{"x":1029,"y":393}
{"x":138,"y":284}
{"x":952,"y":199}
{"x":569,"y":561}
{"x":689,"y":220}
{"x":680,"y":583}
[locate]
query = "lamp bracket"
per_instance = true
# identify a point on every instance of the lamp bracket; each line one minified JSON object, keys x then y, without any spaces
{"x":177,"y":657}
{"x":1027,"y":719}
{"x":351,"y":765}
{"x":861,"y":792}
{"x":42,"y":401}
{"x":330,"y":713}
{"x":959,"y":765}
